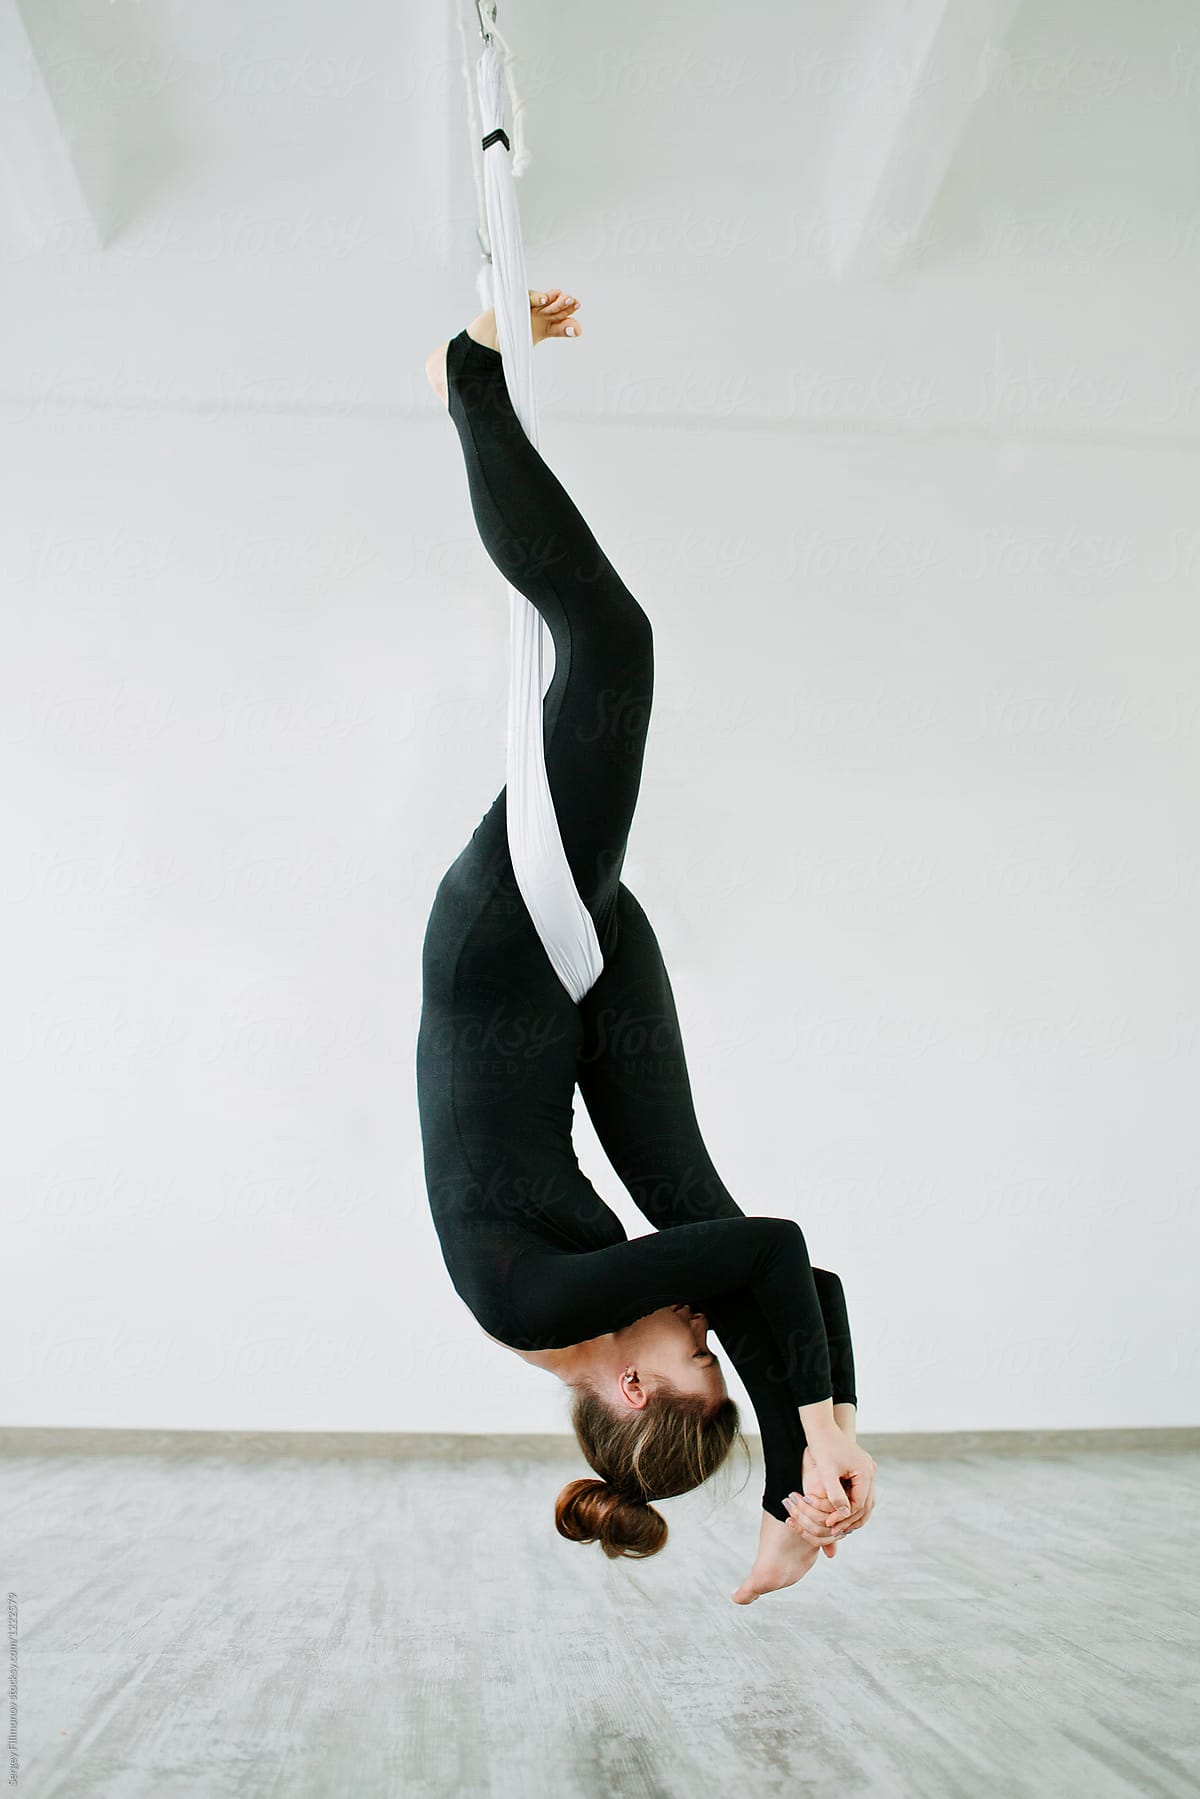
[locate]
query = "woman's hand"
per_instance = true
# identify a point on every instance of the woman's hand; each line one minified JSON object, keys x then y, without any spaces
{"x":783,"y":1558}
{"x":818,"y":1518}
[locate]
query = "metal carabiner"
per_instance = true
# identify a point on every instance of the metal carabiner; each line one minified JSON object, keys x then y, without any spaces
{"x":487,"y":7}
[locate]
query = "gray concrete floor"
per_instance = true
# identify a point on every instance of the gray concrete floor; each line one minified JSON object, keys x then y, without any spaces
{"x":216,"y":1616}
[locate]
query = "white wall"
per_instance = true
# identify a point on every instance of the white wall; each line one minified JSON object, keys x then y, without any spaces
{"x":918,"y":828}
{"x":916,"y":834}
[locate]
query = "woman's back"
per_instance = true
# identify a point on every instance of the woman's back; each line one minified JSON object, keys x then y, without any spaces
{"x":496,"y":1070}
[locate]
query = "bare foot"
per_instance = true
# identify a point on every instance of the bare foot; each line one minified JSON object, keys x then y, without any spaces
{"x":551,"y":314}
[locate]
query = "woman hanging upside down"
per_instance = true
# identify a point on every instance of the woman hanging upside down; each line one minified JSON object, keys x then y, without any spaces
{"x":539,"y":1258}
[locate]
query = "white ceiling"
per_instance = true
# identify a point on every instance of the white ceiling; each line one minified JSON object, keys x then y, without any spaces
{"x":955,"y":216}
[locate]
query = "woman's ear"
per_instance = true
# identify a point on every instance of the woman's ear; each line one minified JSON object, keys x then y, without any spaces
{"x":632,"y":1389}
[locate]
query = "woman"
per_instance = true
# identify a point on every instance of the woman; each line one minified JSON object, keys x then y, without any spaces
{"x":542,"y":1262}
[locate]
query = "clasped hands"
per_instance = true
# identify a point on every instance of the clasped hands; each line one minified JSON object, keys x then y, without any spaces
{"x":817,"y":1521}
{"x":837,"y":1494}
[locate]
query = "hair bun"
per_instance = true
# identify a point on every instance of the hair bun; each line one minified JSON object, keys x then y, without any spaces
{"x":592,"y":1511}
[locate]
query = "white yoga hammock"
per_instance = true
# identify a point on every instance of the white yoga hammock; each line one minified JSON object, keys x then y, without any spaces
{"x":539,"y":861}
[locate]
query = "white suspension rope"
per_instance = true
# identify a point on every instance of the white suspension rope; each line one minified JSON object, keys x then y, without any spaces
{"x":539,"y":860}
{"x":522,"y":156}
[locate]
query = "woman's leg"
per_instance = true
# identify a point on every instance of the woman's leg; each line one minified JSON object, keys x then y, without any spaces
{"x":633,"y":1076}
{"x":597,"y":709}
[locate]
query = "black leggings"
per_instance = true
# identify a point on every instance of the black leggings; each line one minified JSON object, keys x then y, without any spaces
{"x":624,"y":1043}
{"x":597,"y":710}
{"x":502,"y":1045}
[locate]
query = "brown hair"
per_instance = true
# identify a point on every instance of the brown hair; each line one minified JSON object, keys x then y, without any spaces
{"x":672,"y":1445}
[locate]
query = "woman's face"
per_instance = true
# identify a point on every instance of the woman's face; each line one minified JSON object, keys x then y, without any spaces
{"x":676,"y":1348}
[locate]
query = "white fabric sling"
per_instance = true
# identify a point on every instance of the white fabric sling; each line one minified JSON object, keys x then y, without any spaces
{"x":539,"y":860}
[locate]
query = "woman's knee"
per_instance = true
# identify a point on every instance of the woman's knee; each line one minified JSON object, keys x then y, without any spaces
{"x":633,"y":638}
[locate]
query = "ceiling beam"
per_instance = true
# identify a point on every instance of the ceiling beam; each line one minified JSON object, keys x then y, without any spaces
{"x":43,"y":177}
{"x":920,"y":72}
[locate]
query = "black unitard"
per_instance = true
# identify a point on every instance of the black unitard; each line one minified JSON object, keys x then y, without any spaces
{"x":529,"y":1244}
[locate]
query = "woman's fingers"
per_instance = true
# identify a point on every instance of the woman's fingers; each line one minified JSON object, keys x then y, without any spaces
{"x":864,"y":1504}
{"x":809,"y":1518}
{"x":820,"y":1518}
{"x":862,"y":1480}
{"x":817,"y":1521}
{"x":846,"y":1473}
{"x":862,"y":1492}
{"x":860,"y":1488}
{"x":830,"y":1477}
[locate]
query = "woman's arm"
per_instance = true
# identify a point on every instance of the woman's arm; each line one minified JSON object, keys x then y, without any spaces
{"x":746,"y":1338}
{"x":650,"y":1134}
{"x":832,"y":1298}
{"x":673,"y":1182}
{"x":564,"y":1297}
